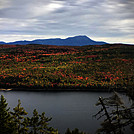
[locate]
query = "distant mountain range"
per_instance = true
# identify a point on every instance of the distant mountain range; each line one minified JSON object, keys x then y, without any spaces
{"x":1,"y":42}
{"x":70,"y":41}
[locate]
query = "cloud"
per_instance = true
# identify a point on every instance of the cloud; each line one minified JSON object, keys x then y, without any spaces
{"x":99,"y":19}
{"x":4,"y":4}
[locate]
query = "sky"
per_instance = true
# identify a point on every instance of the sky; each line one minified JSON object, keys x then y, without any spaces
{"x":111,"y":21}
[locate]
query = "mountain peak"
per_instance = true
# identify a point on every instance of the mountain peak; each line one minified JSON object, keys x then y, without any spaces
{"x":79,"y":36}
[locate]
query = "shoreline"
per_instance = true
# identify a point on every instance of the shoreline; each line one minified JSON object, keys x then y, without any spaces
{"x":63,"y":89}
{"x":4,"y":89}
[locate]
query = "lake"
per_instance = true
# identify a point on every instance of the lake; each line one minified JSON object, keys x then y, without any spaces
{"x":67,"y":109}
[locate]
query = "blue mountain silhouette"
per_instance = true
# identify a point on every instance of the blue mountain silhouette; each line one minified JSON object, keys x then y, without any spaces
{"x":70,"y":41}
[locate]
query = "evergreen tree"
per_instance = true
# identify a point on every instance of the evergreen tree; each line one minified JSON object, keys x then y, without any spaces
{"x":34,"y":122}
{"x":68,"y":131}
{"x":39,"y":124}
{"x":75,"y":131}
{"x":6,"y":124}
{"x":118,"y":116}
{"x":19,"y":119}
{"x":16,"y":123}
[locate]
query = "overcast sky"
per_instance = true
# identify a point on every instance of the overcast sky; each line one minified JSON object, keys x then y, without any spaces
{"x":101,"y":20}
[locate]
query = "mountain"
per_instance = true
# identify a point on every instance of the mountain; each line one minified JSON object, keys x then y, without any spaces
{"x":70,"y":41}
{"x":1,"y":42}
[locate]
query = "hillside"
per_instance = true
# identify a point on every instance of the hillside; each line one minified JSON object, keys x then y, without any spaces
{"x":102,"y":67}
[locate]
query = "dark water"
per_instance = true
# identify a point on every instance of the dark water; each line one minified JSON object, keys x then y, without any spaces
{"x":67,"y":109}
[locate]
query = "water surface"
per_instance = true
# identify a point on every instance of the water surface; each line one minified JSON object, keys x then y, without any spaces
{"x":67,"y":109}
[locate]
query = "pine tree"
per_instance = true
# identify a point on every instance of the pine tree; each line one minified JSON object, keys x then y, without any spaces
{"x":118,"y":116}
{"x":39,"y":124}
{"x":19,"y":119}
{"x":68,"y":131}
{"x":16,"y":123}
{"x":6,"y":124}
{"x":75,"y":131}
{"x":34,"y":122}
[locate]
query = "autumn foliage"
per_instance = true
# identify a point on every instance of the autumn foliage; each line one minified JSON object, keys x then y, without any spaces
{"x":57,"y":67}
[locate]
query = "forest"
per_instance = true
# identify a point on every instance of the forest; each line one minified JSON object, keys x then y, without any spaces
{"x":48,"y":67}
